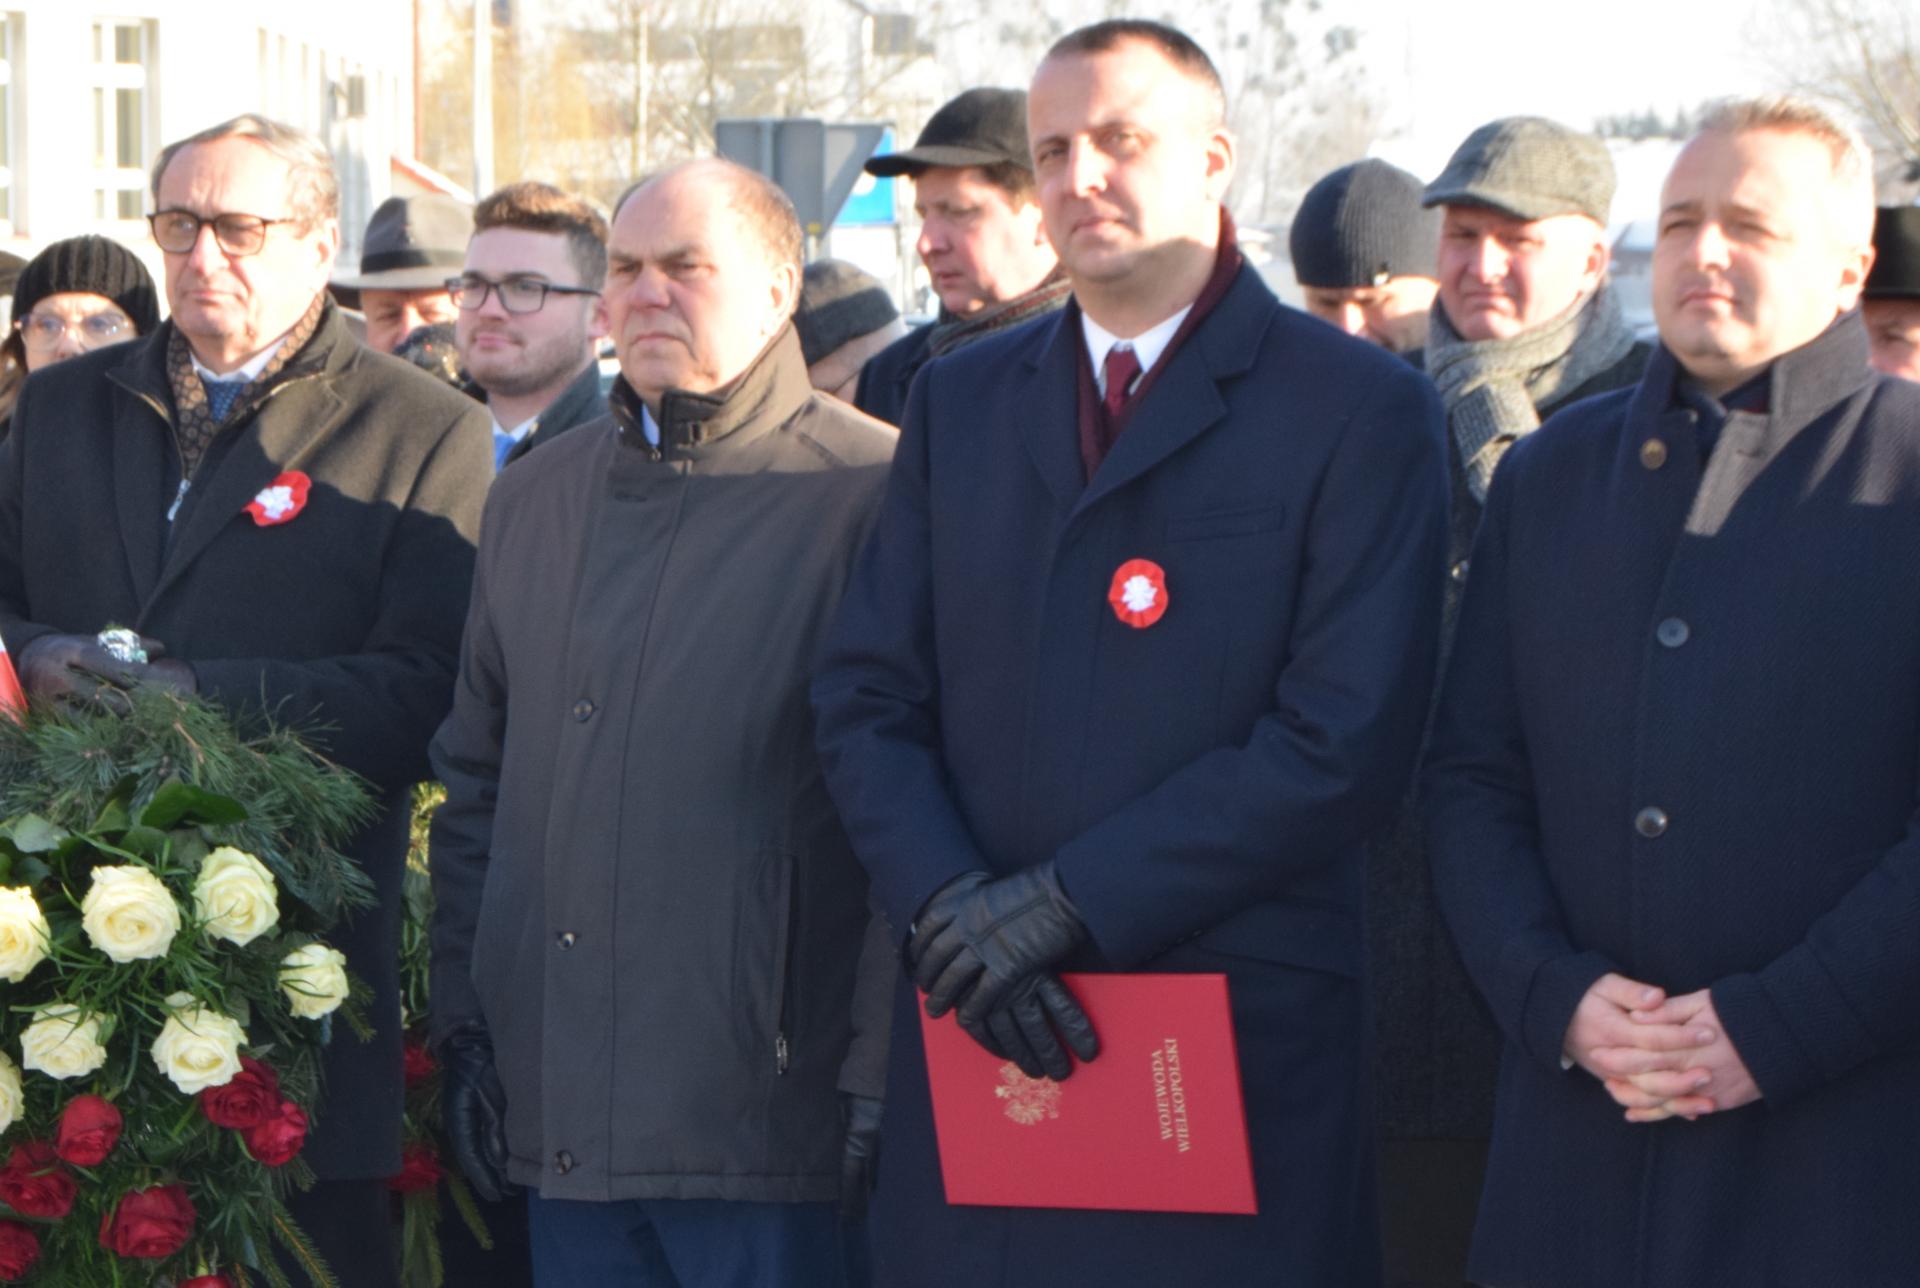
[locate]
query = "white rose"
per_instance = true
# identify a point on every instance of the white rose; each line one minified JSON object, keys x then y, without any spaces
{"x":314,"y":978}
{"x":234,"y":896}
{"x":23,"y":934}
{"x":197,"y":1048}
{"x":62,"y":1043}
{"x":11,"y":1100}
{"x":128,"y":914}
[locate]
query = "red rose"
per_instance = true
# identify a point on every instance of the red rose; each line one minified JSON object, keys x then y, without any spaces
{"x":245,"y":1100}
{"x":275,"y":1141}
{"x":208,"y":1281}
{"x":419,"y":1168}
{"x":34,"y":1184}
{"x":89,"y":1129}
{"x":417,"y":1064}
{"x":151,"y":1223}
{"x":19,"y":1249}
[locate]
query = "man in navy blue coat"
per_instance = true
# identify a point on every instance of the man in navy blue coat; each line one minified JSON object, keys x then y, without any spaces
{"x":1673,"y":788}
{"x":1139,"y":652}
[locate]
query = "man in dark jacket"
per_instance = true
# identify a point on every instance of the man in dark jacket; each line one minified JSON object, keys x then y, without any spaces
{"x":1671,"y":793}
{"x":980,"y":238}
{"x":650,"y":927}
{"x":531,"y":314}
{"x":290,"y":518}
{"x":1140,"y":651}
{"x":1524,"y":323}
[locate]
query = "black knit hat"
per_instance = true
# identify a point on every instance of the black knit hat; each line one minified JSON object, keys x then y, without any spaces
{"x":981,"y":127}
{"x":839,"y":303}
{"x":1896,"y":254}
{"x":1361,"y":225}
{"x":96,"y":266}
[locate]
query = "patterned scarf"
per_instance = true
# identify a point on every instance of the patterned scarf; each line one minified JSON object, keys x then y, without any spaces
{"x":1492,"y":388}
{"x":194,"y":424}
{"x":950,"y":332}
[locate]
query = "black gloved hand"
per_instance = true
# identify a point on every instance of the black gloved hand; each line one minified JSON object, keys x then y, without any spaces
{"x":1023,"y":1027}
{"x":978,"y":937}
{"x":861,"y":1157}
{"x":473,"y":1108}
{"x":76,"y":669}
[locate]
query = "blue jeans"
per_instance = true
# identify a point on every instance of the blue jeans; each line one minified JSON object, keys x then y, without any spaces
{"x":688,"y":1243}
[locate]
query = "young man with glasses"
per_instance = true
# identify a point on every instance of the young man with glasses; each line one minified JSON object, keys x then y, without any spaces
{"x":530,"y":313}
{"x":140,"y":484}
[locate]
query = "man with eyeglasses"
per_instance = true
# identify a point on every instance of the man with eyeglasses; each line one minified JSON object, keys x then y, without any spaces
{"x":658,"y":996}
{"x":530,"y":313}
{"x":288,"y":518}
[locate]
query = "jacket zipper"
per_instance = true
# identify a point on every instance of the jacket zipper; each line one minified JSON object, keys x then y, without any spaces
{"x":781,"y":1050}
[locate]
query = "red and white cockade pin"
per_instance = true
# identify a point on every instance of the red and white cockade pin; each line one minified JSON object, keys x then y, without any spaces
{"x":281,"y":499}
{"x":1139,"y":593}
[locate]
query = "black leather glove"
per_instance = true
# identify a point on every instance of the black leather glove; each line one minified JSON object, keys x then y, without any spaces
{"x":861,"y":1157}
{"x":986,"y":946}
{"x":75,"y":669}
{"x":1024,"y":1026}
{"x":473,"y":1108}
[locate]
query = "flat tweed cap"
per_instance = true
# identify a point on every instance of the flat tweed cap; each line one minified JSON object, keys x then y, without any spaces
{"x":413,"y":244}
{"x":1362,"y":225}
{"x":981,"y":127}
{"x":1530,"y":168}
{"x":1896,"y":254}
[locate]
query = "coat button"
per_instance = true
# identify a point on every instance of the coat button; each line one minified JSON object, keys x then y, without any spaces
{"x":583,"y":710}
{"x":563,"y":1162}
{"x":1672,"y":632}
{"x":1650,"y":822}
{"x":1653,"y":453}
{"x":565,"y":939}
{"x":1458,"y":572}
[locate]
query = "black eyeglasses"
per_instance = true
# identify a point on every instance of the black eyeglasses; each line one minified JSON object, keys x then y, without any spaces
{"x":517,"y":294}
{"x":177,"y":230}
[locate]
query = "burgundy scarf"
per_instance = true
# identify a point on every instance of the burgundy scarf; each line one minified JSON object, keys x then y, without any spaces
{"x":1098,"y":430}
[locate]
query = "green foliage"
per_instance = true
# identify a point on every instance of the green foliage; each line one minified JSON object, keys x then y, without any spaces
{"x":157,"y":789}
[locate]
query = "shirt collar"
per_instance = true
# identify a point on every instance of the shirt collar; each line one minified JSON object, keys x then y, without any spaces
{"x":247,"y":372}
{"x":519,"y":431}
{"x":1147,"y":346}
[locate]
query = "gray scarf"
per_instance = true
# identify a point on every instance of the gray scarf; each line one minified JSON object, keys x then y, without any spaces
{"x":1492,"y":387}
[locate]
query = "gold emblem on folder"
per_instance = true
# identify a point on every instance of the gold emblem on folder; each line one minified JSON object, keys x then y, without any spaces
{"x":1029,"y":1100}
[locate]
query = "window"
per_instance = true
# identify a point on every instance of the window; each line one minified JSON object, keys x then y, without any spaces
{"x":9,"y":51}
{"x":122,"y":84}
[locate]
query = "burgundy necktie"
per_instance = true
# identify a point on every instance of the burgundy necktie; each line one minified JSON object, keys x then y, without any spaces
{"x":1123,"y":366}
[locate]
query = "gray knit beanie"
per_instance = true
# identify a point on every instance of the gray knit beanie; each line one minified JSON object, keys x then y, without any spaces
{"x":96,"y":266}
{"x":1361,"y":225}
{"x":839,"y":302}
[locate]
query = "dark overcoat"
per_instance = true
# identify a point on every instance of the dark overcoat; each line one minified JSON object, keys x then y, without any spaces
{"x":1203,"y":784}
{"x":642,"y":888}
{"x":580,"y":402}
{"x":348,"y":613}
{"x":888,"y":374}
{"x":1680,"y":739}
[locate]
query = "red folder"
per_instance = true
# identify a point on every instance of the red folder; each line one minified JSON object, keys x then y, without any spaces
{"x":1154,"y":1124}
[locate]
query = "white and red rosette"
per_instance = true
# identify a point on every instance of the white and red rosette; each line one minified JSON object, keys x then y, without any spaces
{"x":1139,"y":593}
{"x":281,"y":499}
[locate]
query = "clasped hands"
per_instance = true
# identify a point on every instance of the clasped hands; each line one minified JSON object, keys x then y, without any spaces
{"x":76,"y":669}
{"x":1658,"y":1056}
{"x":986,"y":947}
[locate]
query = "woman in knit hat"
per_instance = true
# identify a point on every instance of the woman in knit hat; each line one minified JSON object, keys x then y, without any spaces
{"x":76,"y":295}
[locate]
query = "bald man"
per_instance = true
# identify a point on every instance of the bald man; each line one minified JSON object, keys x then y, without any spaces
{"x":650,"y":925}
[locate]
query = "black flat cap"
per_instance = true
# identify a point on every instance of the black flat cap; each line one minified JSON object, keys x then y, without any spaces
{"x":981,"y":127}
{"x":1896,"y":254}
